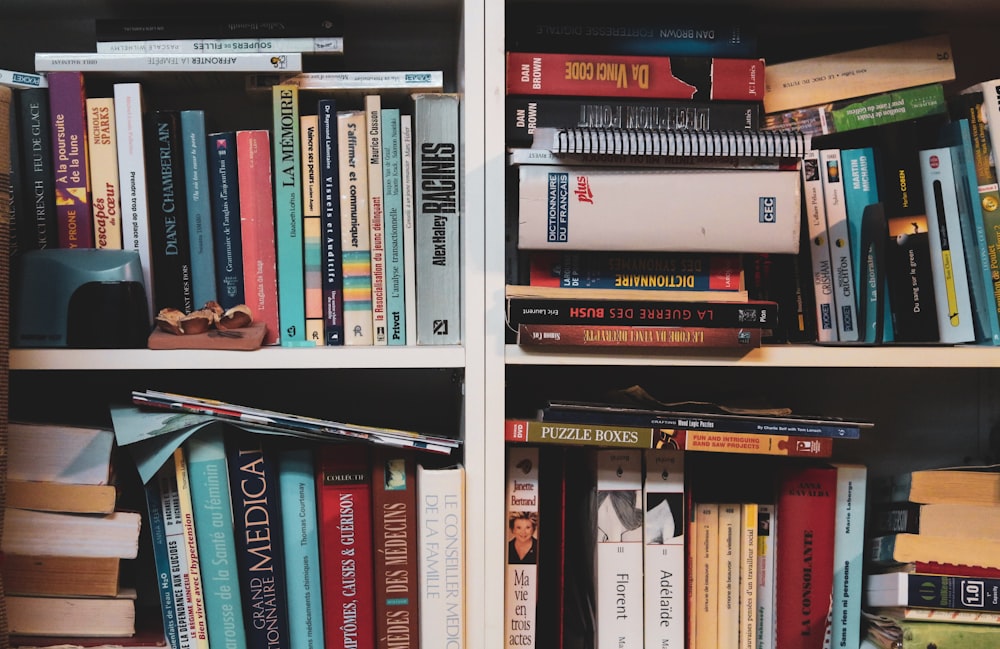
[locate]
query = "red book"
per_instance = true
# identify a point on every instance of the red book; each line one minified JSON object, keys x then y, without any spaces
{"x":68,"y":114}
{"x":628,"y":336}
{"x":394,"y":519}
{"x":260,"y":274}
{"x":806,"y":505}
{"x":344,"y":504}
{"x":652,"y":77}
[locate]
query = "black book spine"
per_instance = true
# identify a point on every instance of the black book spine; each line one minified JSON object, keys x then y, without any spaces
{"x":332,"y":253}
{"x":38,"y":179}
{"x":147,"y":29}
{"x":640,"y":312}
{"x":226,"y":229}
{"x":168,"y":220}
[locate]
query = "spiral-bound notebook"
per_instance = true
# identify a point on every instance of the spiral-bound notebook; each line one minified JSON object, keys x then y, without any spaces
{"x":621,"y":141}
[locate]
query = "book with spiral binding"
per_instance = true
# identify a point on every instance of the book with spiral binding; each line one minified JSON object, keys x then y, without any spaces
{"x":716,"y":143}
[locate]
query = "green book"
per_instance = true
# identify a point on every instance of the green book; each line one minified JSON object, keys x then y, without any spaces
{"x":288,"y":234}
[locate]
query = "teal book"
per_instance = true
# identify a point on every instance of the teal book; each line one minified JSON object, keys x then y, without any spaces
{"x":199,"y":204}
{"x":848,"y":555}
{"x":297,"y":487}
{"x":288,"y":234}
{"x":161,"y":558}
{"x":213,"y":521}
{"x":392,"y":201}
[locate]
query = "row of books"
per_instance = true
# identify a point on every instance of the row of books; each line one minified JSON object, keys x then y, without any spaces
{"x":322,"y":238}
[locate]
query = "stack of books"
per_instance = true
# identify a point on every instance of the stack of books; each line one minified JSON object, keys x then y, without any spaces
{"x":64,"y":541}
{"x":935,"y":559}
{"x":618,"y":148}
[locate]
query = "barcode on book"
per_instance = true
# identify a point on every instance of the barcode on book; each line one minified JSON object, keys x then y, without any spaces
{"x":622,"y":141}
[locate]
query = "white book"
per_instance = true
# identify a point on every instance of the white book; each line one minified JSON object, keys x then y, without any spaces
{"x":305,"y":44}
{"x":766,"y":557}
{"x":177,"y":558}
{"x":728,"y":577}
{"x":618,"y":570}
{"x":848,"y":555}
{"x":532,"y":156}
{"x":522,"y":543}
{"x":17,"y":79}
{"x":664,"y":572}
{"x":409,"y":243}
{"x":95,"y":62}
{"x":749,"y":522}
{"x":374,"y":81}
{"x":43,"y":452}
{"x":951,"y":283}
{"x":838,"y":237}
{"x":376,"y":217}
{"x":819,"y":249}
{"x":132,"y":178}
{"x":605,"y":208}
{"x":441,"y":556}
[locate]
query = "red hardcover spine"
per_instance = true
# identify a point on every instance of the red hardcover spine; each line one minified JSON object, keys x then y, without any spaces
{"x":618,"y":336}
{"x":260,"y":275}
{"x":394,"y":518}
{"x":344,"y":504}
{"x":806,"y":505}
{"x":652,"y":77}
{"x":68,"y":115}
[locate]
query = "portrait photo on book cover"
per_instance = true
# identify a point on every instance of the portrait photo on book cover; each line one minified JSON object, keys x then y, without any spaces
{"x":522,"y":543}
{"x":664,"y":517}
{"x":619,"y":516}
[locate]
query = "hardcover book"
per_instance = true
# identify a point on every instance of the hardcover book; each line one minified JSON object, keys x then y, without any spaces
{"x":752,"y":314}
{"x":67,"y":113}
{"x":199,"y":207}
{"x":583,"y":208}
{"x":819,"y":248}
{"x":227,"y":236}
{"x":739,"y":339}
{"x":288,"y":214}
{"x":636,"y":270}
{"x":395,"y":261}
{"x":260,"y":280}
{"x":102,"y":150}
{"x":701,"y":78}
{"x":168,"y":217}
{"x":438,"y":217}
{"x":302,"y":44}
{"x":383,"y":81}
{"x":343,"y":501}
{"x":376,"y":216}
{"x":522,"y":539}
{"x":36,"y":153}
{"x":860,"y":72}
{"x":838,"y":235}
{"x":312,"y":230}
{"x":355,"y":230}
{"x":331,"y":250}
{"x":394,"y":519}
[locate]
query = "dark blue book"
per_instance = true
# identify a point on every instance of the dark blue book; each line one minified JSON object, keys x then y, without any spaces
{"x":226,"y":231}
{"x":329,"y":174}
{"x":161,"y":555}
{"x":36,"y":155}
{"x":260,"y":555}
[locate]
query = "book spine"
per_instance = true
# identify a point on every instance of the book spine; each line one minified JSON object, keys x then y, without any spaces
{"x":712,"y":144}
{"x":663,"y":560}
{"x":22,"y":80}
{"x":305,"y":45}
{"x":766,"y":565}
{"x":856,"y":73}
{"x":611,"y":336}
{"x":168,"y":216}
{"x":848,"y":555}
{"x":639,"y":270}
{"x":844,"y":296}
{"x":747,"y":636}
{"x":330,"y":216}
{"x":921,"y":590}
{"x":102,"y":149}
{"x":288,"y":214}
{"x":806,"y":503}
{"x":354,"y":228}
{"x":199,"y":206}
{"x":521,"y":510}
{"x":312,"y":230}
{"x":36,"y":147}
{"x":819,"y":248}
{"x":534,"y":156}
{"x":942,"y":615}
{"x":618,"y":576}
{"x":394,"y":518}
{"x":705,"y":569}
{"x":441,"y":562}
{"x":260,"y":280}
{"x":177,"y":558}
{"x":256,"y":502}
{"x":132,"y":176}
{"x":226,"y":234}
{"x":376,"y":216}
{"x":569,"y":207}
{"x":371,"y":81}
{"x":653,"y":77}
{"x":229,"y":62}
{"x":344,"y":493}
{"x":437,"y":220}
{"x":213,"y":521}
{"x":951,"y":283}
{"x":409,"y":216}
{"x":727,"y":589}
{"x":392,"y":186}
{"x":860,"y":191}
{"x":297,"y":487}
{"x":527,"y":113}
{"x":192,"y":581}
{"x":19,"y":235}
{"x":660,"y":313}
{"x":127,"y":29}
{"x":67,"y":113}
{"x":161,"y":558}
